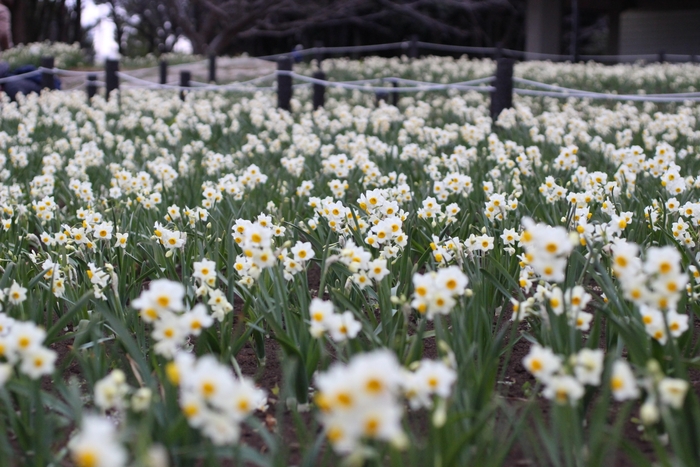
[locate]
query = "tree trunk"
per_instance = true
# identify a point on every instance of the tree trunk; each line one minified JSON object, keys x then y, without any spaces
{"x":19,"y":21}
{"x":61,"y":26}
{"x":78,"y":27}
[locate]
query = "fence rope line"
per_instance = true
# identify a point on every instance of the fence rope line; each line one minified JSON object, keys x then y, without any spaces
{"x":487,"y":79}
{"x":604,"y":96}
{"x":463,"y":48}
{"x":59,"y":71}
{"x":29,"y":74}
{"x":404,"y":45}
{"x":495,"y":51}
{"x":394,"y":45}
{"x":338,"y":50}
{"x":389,"y":89}
{"x":550,"y":87}
{"x":361,"y":85}
{"x":259,"y":79}
{"x":78,"y":86}
{"x":545,"y":90}
{"x":239,"y":86}
{"x":561,"y":91}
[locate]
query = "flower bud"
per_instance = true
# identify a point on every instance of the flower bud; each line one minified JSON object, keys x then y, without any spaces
{"x":157,"y":456}
{"x":440,"y":414}
{"x":141,"y":399}
{"x":649,"y":413}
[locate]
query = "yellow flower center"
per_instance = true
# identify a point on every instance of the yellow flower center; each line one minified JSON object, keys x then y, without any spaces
{"x":374,"y":385}
{"x":208,"y":388}
{"x":334,"y":434}
{"x":151,"y":313}
{"x":86,"y":458}
{"x":371,"y":426}
{"x":172,"y":373}
{"x":190,"y":410}
{"x":344,"y":399}
{"x":561,"y":395}
{"x":617,"y":383}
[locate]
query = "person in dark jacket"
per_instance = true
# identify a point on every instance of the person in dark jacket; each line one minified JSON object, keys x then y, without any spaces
{"x":24,"y":85}
{"x":5,"y":25}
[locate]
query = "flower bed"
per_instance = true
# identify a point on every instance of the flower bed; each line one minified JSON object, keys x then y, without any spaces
{"x":215,"y":280}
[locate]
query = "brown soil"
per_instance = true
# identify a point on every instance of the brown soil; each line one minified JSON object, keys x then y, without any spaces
{"x":515,"y":386}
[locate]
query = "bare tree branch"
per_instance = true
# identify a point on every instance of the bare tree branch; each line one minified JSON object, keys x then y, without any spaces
{"x":213,"y":26}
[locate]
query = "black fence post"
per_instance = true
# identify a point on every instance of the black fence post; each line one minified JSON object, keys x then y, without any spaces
{"x":502,"y":96}
{"x":413,"y":47}
{"x":319,"y":90}
{"x":185,"y":77}
{"x":91,"y":86}
{"x":212,"y":68}
{"x":111,"y":78}
{"x":395,"y":95}
{"x":47,"y":76}
{"x":318,"y":54}
{"x":574,"y":30}
{"x":382,"y":95}
{"x":662,"y":56}
{"x":163,"y":71}
{"x":499,"y":51}
{"x":284,"y":83}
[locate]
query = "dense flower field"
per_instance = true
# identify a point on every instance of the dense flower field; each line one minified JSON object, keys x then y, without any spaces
{"x":65,"y":55}
{"x":217,"y":282}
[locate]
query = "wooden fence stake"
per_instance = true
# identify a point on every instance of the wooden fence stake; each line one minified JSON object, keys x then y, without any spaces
{"x":284,"y":83}
{"x":381,"y":95}
{"x":318,"y":54}
{"x":319,"y":90}
{"x":91,"y":86}
{"x":47,"y":81}
{"x":413,"y":47}
{"x":185,"y":77}
{"x":163,"y":71}
{"x":502,"y":96}
{"x":212,"y":68}
{"x":111,"y":78}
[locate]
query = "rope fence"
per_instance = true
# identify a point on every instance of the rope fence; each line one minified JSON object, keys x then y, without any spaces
{"x":500,"y":87}
{"x":413,"y":47}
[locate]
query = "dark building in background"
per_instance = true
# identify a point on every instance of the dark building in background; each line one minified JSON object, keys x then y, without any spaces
{"x":262,"y":27}
{"x":614,"y":26}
